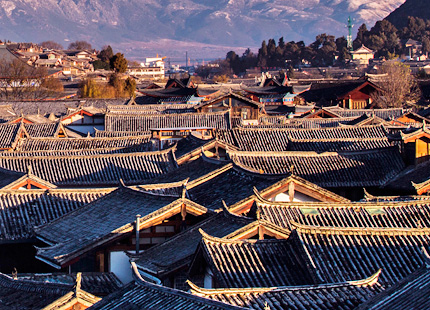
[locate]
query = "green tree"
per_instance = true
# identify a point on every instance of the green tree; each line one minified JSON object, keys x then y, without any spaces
{"x":262,"y":55}
{"x":426,"y":44}
{"x":362,"y":34}
{"x":106,"y":54}
{"x":99,"y":64}
{"x":130,"y":87}
{"x":119,"y":63}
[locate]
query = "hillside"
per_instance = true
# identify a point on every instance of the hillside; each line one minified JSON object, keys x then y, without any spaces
{"x":415,"y":8}
{"x":188,"y":24}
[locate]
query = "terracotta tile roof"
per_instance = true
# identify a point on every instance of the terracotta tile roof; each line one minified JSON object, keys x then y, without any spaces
{"x":178,"y":251}
{"x":104,"y":220}
{"x":144,"y":122}
{"x":349,"y":169}
{"x":96,"y":170}
{"x":141,"y":294}
{"x":345,"y":295}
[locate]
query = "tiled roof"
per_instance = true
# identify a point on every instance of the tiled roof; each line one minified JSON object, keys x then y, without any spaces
{"x":409,"y":214}
{"x":410,"y":293}
{"x":178,"y":250}
{"x":21,"y":211}
{"x":42,"y":130}
{"x":96,"y":170}
{"x":9,"y":134}
{"x":102,"y":221}
{"x":189,"y":144}
{"x":97,"y":283}
{"x":403,"y":183}
{"x":151,"y":109}
{"x":251,"y":263}
{"x":319,"y":140}
{"x":58,"y":107}
{"x":212,"y":189}
{"x":113,"y":134}
{"x":338,"y":254}
{"x":140,"y":294}
{"x":63,"y":144}
{"x":365,"y":168}
{"x":144,"y":122}
{"x":345,"y":295}
{"x":28,"y":294}
{"x":385,"y":114}
{"x":191,"y":170}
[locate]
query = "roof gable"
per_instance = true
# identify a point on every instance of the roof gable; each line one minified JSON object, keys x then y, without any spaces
{"x":113,"y":216}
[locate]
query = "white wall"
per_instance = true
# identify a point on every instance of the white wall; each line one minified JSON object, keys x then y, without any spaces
{"x":298,"y":197}
{"x":120,"y":266}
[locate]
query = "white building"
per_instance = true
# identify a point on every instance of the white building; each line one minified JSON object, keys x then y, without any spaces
{"x":152,"y":68}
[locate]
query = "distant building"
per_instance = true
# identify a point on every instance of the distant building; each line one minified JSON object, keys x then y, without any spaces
{"x":151,"y":68}
{"x":362,"y":55}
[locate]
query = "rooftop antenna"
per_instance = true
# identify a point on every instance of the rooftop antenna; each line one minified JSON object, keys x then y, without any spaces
{"x":349,"y":38}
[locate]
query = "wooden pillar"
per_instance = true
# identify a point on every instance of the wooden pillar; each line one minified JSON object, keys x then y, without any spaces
{"x":291,"y":191}
{"x":260,"y":232}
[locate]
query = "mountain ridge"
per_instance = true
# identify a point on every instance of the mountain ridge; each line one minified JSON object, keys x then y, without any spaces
{"x":227,"y":23}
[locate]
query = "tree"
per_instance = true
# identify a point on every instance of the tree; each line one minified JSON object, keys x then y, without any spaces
{"x":426,"y":44}
{"x":53,"y":85}
{"x":91,"y":89}
{"x":18,"y":80}
{"x":130,"y":87}
{"x":399,"y":87}
{"x":119,"y":63}
{"x":106,"y":54}
{"x":262,"y":55}
{"x":80,"y":45}
{"x":51,"y":45}
{"x":98,"y":64}
{"x":362,"y":34}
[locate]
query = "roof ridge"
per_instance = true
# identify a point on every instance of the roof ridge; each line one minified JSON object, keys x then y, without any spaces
{"x":370,"y":281}
{"x":146,"y":154}
{"x":180,"y":294}
{"x":34,"y":286}
{"x":384,"y":231}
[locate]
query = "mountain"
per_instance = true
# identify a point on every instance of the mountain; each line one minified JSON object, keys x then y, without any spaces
{"x":140,"y":28}
{"x":415,"y":8}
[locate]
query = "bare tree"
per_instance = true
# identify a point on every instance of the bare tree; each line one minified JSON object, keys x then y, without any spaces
{"x":19,"y":80}
{"x":80,"y":45}
{"x":51,"y":45}
{"x":398,"y":87}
